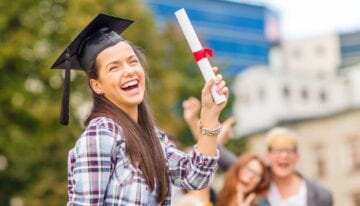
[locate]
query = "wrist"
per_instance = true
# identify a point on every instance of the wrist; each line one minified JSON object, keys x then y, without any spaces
{"x":209,"y":118}
{"x":209,"y":131}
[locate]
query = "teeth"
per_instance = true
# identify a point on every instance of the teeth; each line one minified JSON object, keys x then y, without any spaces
{"x":131,"y":83}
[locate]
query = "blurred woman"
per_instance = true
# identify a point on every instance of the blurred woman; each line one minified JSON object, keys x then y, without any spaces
{"x":246,"y":183}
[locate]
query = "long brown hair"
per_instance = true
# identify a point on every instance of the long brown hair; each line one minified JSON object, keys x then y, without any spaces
{"x":228,"y":191}
{"x":142,"y":143}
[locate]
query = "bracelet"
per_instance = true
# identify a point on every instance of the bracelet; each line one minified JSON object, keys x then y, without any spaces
{"x":210,"y":132}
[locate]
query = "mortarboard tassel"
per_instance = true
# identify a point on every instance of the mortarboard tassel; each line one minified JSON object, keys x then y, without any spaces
{"x":64,"y":115}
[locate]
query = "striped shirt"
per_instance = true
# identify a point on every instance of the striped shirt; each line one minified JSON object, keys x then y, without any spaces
{"x":100,"y":171}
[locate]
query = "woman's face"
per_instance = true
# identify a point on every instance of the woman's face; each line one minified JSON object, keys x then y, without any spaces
{"x":250,"y":176}
{"x":121,"y":77}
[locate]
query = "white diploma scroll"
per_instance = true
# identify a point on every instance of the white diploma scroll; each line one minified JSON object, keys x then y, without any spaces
{"x":195,"y":45}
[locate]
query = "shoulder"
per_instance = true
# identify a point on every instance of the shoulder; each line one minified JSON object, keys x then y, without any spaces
{"x":100,"y":132}
{"x":262,"y":202}
{"x":104,"y":123}
{"x":161,"y":135}
{"x":316,"y":188}
{"x":102,"y":126}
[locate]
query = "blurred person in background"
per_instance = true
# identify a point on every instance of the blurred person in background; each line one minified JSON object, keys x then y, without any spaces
{"x":191,"y":108}
{"x":289,"y":187}
{"x":246,"y":183}
{"x":248,"y":173}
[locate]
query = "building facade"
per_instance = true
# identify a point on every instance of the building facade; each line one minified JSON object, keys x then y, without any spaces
{"x":350,"y":48}
{"x":329,"y":150}
{"x":315,"y":55}
{"x":240,"y":34}
{"x":315,"y":96}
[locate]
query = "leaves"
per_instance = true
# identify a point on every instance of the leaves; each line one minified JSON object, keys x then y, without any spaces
{"x":32,"y":34}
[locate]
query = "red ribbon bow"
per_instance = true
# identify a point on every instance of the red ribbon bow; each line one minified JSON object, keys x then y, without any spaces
{"x":198,"y":55}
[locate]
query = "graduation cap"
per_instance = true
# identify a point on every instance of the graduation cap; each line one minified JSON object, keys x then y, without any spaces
{"x":102,"y":32}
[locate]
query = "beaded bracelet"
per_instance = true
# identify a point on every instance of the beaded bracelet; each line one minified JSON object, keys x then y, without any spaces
{"x":209,"y":132}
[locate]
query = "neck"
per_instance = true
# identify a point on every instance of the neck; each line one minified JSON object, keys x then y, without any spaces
{"x":288,"y":185}
{"x":133,"y":113}
{"x":286,"y":179}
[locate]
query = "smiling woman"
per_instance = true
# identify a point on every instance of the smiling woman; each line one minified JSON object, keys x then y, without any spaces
{"x":246,"y":180}
{"x":122,"y":158}
{"x":120,"y":78}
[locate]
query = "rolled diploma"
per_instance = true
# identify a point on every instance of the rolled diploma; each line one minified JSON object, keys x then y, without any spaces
{"x":195,"y":45}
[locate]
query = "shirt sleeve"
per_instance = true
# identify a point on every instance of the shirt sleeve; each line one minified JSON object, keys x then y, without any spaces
{"x":193,"y":172}
{"x":227,"y":158}
{"x":92,"y":165}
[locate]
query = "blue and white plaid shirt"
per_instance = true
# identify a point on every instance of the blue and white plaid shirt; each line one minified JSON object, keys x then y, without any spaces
{"x":100,"y":171}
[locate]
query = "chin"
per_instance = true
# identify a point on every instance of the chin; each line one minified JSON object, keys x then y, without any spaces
{"x":283,"y":173}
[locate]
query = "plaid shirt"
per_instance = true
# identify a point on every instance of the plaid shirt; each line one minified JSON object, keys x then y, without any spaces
{"x":100,"y":171}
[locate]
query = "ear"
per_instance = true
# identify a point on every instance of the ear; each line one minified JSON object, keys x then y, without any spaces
{"x":96,"y":86}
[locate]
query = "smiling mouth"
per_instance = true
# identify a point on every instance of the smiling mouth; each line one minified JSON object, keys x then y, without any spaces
{"x":244,"y":183}
{"x":283,"y":165}
{"x":130,"y":85}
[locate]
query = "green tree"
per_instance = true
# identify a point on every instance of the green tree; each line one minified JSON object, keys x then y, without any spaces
{"x":32,"y":34}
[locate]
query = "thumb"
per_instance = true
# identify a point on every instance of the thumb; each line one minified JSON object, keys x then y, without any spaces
{"x":208,"y":85}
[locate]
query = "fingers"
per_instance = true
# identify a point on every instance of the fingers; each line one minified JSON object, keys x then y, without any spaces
{"x":207,"y":87}
{"x":249,"y":199}
{"x":191,"y":101}
{"x":218,"y":78}
{"x":220,"y":86}
{"x":239,"y":195}
{"x":229,"y":122}
{"x":226,"y":133}
{"x":191,"y":108}
{"x":215,"y":69}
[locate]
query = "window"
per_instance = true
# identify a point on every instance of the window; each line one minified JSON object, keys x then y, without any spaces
{"x":261,"y":94}
{"x":323,"y":96}
{"x":304,"y":94}
{"x":354,"y":145}
{"x":286,"y":92}
{"x":320,"y":161}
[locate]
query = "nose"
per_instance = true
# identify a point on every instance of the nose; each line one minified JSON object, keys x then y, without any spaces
{"x":128,"y":70}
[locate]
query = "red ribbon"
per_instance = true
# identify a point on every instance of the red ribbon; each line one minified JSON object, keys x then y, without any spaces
{"x":198,"y":55}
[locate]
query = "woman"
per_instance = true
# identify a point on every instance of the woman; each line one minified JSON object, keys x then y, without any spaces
{"x":122,"y":158}
{"x":246,"y":183}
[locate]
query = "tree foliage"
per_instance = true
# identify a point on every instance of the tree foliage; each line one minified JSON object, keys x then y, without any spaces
{"x":32,"y":34}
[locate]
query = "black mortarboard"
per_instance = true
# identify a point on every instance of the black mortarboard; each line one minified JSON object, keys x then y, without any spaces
{"x":102,"y":32}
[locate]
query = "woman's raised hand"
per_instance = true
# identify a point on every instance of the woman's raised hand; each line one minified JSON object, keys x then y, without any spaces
{"x":210,"y":111}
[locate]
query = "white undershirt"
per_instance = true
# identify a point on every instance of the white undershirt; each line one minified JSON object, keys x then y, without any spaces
{"x":298,"y":199}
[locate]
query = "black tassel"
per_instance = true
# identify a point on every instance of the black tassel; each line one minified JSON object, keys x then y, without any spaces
{"x":64,"y":115}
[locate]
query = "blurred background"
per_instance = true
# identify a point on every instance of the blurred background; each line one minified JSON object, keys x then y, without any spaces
{"x":290,"y":63}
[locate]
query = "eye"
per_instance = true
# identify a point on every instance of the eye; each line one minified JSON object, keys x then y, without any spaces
{"x":134,"y":61}
{"x":113,"y":68}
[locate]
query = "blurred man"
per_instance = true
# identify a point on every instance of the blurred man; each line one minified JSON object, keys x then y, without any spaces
{"x":289,"y":187}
